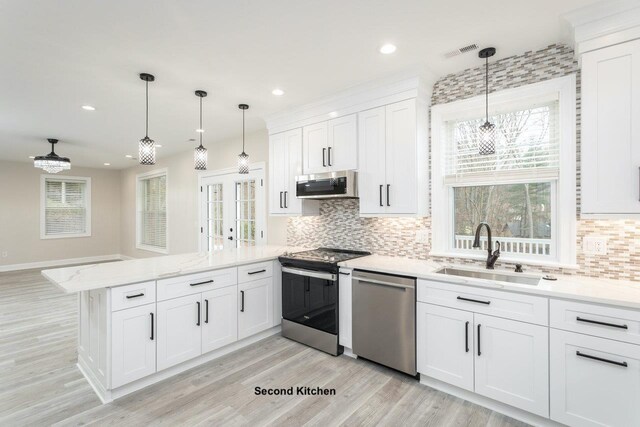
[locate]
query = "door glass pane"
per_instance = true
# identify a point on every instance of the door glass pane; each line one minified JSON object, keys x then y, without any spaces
{"x":215,"y":238}
{"x":245,"y":213}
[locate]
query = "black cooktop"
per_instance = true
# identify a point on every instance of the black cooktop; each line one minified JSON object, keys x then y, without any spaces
{"x":327,"y":256}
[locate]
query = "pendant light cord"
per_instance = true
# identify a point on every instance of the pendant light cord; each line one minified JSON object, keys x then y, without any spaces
{"x":200,"y":121}
{"x":243,"y":131}
{"x":146,"y":126}
{"x":486,"y":86}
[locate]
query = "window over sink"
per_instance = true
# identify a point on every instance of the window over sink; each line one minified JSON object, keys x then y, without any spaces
{"x":525,"y":191}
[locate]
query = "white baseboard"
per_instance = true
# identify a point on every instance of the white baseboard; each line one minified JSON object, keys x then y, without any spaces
{"x":61,"y":262}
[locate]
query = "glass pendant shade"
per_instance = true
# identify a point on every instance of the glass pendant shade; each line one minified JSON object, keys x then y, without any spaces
{"x":200,"y":158}
{"x":52,"y":163}
{"x":487,"y":144}
{"x":147,"y":151}
{"x":243,"y":163}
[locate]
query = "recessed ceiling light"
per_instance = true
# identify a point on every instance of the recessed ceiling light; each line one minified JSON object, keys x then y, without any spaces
{"x":107,"y":164}
{"x":191,"y":140}
{"x":200,"y":130}
{"x":32,"y":157}
{"x":88,"y":108}
{"x":128,"y":156}
{"x":158,"y":146}
{"x":333,"y":114}
{"x":277,"y":92}
{"x":387,"y":48}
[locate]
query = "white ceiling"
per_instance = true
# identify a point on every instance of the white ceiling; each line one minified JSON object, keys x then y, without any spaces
{"x":59,"y":55}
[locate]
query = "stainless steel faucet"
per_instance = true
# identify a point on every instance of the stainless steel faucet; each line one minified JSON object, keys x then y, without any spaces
{"x":492,"y":256}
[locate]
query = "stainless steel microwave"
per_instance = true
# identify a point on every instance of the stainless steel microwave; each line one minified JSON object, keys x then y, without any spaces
{"x":328,"y":185}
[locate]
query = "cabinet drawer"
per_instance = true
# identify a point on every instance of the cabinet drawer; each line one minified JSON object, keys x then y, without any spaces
{"x":251,"y":272}
{"x":195,"y":283}
{"x":525,"y":308}
{"x":607,"y":322}
{"x":132,"y":295}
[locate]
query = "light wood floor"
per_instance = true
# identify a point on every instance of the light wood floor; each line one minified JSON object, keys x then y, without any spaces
{"x":40,"y":385}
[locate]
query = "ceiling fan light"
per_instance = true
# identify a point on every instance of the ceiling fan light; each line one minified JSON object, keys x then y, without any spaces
{"x":52,"y":163}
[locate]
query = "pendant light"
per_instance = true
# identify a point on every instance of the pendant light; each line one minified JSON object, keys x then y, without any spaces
{"x":487,"y":143}
{"x":147,"y":147}
{"x":243,"y":158}
{"x":200,"y":156}
{"x":52,"y":163}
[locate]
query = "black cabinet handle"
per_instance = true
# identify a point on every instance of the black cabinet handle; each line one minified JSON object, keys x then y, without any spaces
{"x":285,"y":199}
{"x":466,"y":337}
{"x":135,"y":296}
{"x":281,"y":200}
{"x":324,"y":152}
{"x":201,"y":283}
{"x":206,"y":311}
{"x":474,"y":300}
{"x":151,"y":337}
{"x":242,"y":301}
{"x":597,"y":322}
{"x":600,"y":359}
{"x":198,"y":305}
{"x":479,"y":352}
{"x":256,"y":272}
{"x":329,"y":157}
{"x":345,"y":274}
{"x":388,"y":187}
{"x":381,"y":195}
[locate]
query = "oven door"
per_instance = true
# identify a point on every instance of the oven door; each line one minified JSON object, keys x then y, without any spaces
{"x":310,"y":298}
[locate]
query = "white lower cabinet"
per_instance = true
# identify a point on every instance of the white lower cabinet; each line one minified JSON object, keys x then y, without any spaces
{"x":594,"y":381}
{"x":133,"y":345}
{"x":512,"y":363}
{"x":255,"y":313}
{"x":219,"y":318}
{"x":344,"y":307}
{"x":445,"y":342}
{"x":179,"y":335}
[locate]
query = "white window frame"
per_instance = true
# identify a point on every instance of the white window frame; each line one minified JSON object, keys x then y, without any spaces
{"x":139,"y":178}
{"x":563,"y":191}
{"x":87,"y":182}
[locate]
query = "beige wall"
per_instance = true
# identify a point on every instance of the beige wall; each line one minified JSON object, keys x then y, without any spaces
{"x":20,"y":216}
{"x":182,"y":194}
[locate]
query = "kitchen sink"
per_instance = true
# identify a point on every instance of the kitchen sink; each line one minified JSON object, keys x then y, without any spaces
{"x":518,"y":278}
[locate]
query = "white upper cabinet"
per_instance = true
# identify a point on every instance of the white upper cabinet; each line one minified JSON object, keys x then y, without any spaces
{"x":331,"y":145}
{"x":611,"y":130}
{"x":393,"y":160}
{"x":285,"y":163}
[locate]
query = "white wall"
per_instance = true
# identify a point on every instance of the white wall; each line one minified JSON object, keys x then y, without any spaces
{"x":182,"y":194}
{"x":20,"y":216}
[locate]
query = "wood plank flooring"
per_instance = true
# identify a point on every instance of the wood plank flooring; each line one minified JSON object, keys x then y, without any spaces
{"x":40,"y":384}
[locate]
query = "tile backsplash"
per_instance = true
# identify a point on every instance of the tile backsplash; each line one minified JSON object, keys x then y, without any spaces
{"x":339,"y":224}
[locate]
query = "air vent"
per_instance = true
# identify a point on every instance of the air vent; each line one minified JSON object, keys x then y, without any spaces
{"x":461,"y":50}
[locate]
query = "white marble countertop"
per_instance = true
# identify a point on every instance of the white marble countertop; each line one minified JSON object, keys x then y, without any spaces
{"x":111,"y":274}
{"x":605,"y":291}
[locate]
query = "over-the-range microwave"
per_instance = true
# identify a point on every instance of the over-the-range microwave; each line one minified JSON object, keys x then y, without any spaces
{"x":328,"y":185}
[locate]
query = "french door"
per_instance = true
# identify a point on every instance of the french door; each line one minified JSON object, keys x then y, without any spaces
{"x":232,"y":210}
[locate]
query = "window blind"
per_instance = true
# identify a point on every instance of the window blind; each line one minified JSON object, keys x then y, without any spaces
{"x":65,"y":207}
{"x":527,"y":145}
{"x":153,"y":211}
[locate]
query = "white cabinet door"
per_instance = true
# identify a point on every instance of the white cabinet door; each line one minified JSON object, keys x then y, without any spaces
{"x":179,"y":330}
{"x":401,"y":195}
{"x":445,"y":344}
{"x":594,"y":381}
{"x":371,"y":160}
{"x":342,"y":143}
{"x":255,"y":303}
{"x":219,"y":318}
{"x":277,"y":170}
{"x":314,"y":148}
{"x":611,"y":130}
{"x":133,"y":345}
{"x":512,"y":363}
{"x":344,"y":308}
{"x":292,"y":168}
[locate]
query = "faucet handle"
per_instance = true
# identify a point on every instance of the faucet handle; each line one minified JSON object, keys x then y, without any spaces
{"x":497,"y":251}
{"x":518,"y":268}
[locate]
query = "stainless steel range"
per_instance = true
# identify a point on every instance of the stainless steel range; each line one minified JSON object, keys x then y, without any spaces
{"x":310,"y":296}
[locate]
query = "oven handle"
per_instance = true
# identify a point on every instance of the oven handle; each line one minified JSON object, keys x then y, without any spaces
{"x":309,"y":273}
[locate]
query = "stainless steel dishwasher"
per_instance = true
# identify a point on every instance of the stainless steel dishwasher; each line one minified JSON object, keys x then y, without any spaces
{"x":384,"y":319}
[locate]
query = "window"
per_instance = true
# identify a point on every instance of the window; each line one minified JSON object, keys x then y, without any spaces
{"x":246,"y":213}
{"x":152,"y":211}
{"x":65,"y":207}
{"x":525,"y":191}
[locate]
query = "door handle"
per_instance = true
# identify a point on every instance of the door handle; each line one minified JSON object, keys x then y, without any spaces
{"x":198,"y":308}
{"x":466,"y":337}
{"x":329,"y":156}
{"x":256,"y":272}
{"x":324,"y":152}
{"x":388,"y":188}
{"x":285,"y":199}
{"x":597,"y":322}
{"x":474,"y":300}
{"x":600,"y":359}
{"x":479,"y":352}
{"x":206,"y":311}
{"x":381,"y":195}
{"x":230,"y":237}
{"x":281,"y":200}
{"x":201,"y":283}
{"x":151,"y":337}
{"x":135,"y":296}
{"x":242,"y":301}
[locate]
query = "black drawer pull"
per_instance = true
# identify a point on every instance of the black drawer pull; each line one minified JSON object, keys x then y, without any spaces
{"x":474,"y":300}
{"x":151,"y":314}
{"x":597,"y":322}
{"x":479,"y":353}
{"x":242,"y":301}
{"x":466,"y":337}
{"x":600,"y":359}
{"x":201,"y":283}
{"x":135,"y":296}
{"x":324,"y":153}
{"x":206,"y":311}
{"x":381,"y":195}
{"x":256,"y":272}
{"x":388,"y":187}
{"x":198,"y":305}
